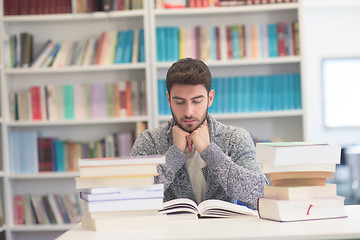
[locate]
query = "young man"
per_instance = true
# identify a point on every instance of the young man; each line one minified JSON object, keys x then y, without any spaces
{"x":205,"y":159}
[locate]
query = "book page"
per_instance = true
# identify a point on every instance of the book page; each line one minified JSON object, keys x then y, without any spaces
{"x":179,"y":205}
{"x":219,"y":208}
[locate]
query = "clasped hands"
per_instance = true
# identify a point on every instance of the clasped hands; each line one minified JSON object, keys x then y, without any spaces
{"x":199,"y":137}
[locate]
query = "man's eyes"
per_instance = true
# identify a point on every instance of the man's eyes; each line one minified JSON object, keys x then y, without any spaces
{"x":193,"y":101}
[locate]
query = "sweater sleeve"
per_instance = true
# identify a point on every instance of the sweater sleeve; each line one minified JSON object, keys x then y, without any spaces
{"x":146,"y":144}
{"x":240,"y":175}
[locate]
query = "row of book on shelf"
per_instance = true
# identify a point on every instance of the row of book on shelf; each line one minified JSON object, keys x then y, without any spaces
{"x":159,"y":4}
{"x":118,"y":193}
{"x":239,"y":94}
{"x":79,"y":101}
{"x":228,"y":41}
{"x":46,"y":209}
{"x":111,"y":47}
{"x":31,"y":7}
{"x":107,"y":5}
{"x":51,"y":154}
{"x":298,"y":174}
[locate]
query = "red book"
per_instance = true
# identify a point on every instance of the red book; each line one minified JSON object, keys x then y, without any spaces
{"x":120,"y":5}
{"x":7,"y":5}
{"x":18,"y":208}
{"x":24,"y":7}
{"x":281,"y":27}
{"x":217,"y":43}
{"x":99,"y":48}
{"x":33,"y":7}
{"x":45,"y":151}
{"x":36,"y":102}
{"x":122,"y":97}
{"x":229,"y":42}
{"x":128,"y":92}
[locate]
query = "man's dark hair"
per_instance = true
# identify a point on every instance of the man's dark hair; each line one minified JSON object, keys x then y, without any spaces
{"x":188,"y":71}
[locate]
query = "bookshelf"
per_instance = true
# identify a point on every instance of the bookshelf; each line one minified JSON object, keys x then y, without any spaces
{"x":263,"y":125}
{"x":60,"y":27}
{"x":285,"y":124}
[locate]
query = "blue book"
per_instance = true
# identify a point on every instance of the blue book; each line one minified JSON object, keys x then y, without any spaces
{"x":233,"y":103}
{"x":259,"y":93}
{"x":169,"y":44}
{"x":159,"y":45}
{"x":287,"y":92}
{"x":141,"y":46}
{"x":119,"y":46}
{"x":247,"y":93}
{"x":221,"y":97}
{"x":213,"y":107}
{"x":69,"y":111}
{"x":49,"y":61}
{"x":235,"y":41}
{"x":175,"y":43}
{"x":226,"y":95}
{"x":275,"y":40}
{"x":298,"y":100}
{"x":240,"y":93}
{"x":254,"y":95}
{"x":31,"y":151}
{"x":128,"y":47}
{"x":60,"y":160}
{"x":160,"y":98}
{"x":266,"y":92}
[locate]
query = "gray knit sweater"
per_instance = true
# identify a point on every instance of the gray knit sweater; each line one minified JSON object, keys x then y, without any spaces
{"x":231,"y":172}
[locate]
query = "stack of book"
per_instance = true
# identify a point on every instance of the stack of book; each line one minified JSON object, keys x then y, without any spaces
{"x":298,"y":173}
{"x":120,"y":192}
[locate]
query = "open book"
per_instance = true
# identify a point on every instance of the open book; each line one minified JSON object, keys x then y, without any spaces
{"x":207,"y":208}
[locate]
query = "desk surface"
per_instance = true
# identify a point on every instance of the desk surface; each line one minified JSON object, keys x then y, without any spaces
{"x":234,"y":228}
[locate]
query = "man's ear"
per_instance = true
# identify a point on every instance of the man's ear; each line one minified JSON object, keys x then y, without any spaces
{"x":168,"y":97}
{"x":211,"y":97}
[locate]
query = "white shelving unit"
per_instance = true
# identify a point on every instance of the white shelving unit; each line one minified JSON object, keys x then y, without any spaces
{"x":63,"y":27}
{"x":284,"y":125}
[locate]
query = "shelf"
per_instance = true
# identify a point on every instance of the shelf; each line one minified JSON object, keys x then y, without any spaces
{"x":2,"y":174}
{"x":73,"y":16}
{"x":230,"y":116}
{"x":75,"y":69}
{"x":237,"y":62}
{"x":2,"y":228}
{"x":226,"y":10}
{"x":79,"y":122}
{"x":41,"y":228}
{"x":43,"y":175}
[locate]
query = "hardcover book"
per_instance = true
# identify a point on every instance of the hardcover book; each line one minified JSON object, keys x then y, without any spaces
{"x":291,"y":153}
{"x":300,"y":193}
{"x":299,"y":210}
{"x":208,"y":208}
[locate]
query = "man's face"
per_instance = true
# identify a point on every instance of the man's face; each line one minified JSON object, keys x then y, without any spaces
{"x":189,"y":104}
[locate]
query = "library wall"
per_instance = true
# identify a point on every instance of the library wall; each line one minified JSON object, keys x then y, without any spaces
{"x":331,"y":31}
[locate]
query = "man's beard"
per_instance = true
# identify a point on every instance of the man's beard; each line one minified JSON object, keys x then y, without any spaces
{"x":178,"y":124}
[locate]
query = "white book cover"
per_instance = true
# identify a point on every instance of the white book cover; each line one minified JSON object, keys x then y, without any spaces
{"x":133,"y":160}
{"x":292,"y":153}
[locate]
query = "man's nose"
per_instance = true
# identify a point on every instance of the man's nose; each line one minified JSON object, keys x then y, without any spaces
{"x":188,"y":109}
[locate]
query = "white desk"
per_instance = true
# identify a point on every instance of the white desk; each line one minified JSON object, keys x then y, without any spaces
{"x":234,"y":228}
